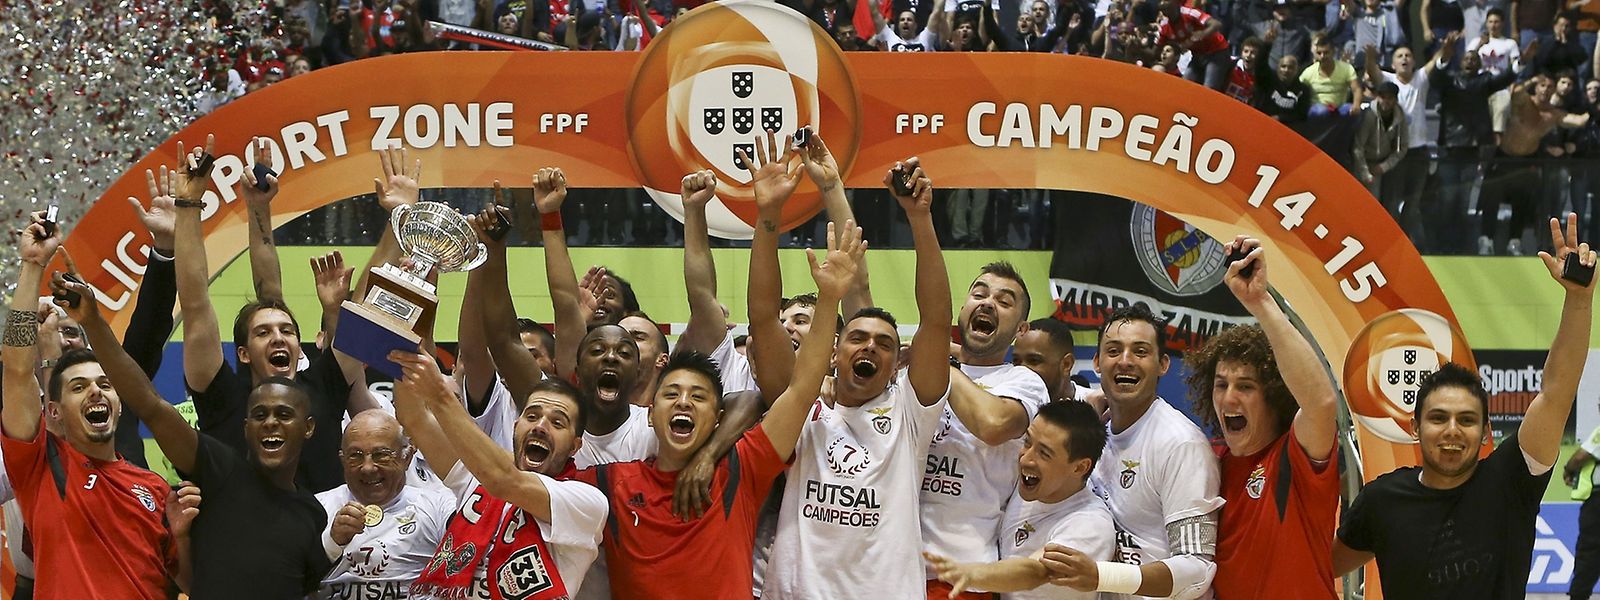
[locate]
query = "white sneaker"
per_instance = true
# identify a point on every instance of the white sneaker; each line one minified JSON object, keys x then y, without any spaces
{"x":1485,"y":245}
{"x":1514,"y":247}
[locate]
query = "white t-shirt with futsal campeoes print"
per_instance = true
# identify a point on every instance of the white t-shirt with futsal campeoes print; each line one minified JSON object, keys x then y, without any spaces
{"x":577,"y":519}
{"x":634,"y":440}
{"x":966,"y":482}
{"x":1159,"y":470}
{"x":384,"y":559}
{"x":849,"y":525}
{"x":1081,"y":522}
{"x":734,"y":367}
{"x":890,"y":40}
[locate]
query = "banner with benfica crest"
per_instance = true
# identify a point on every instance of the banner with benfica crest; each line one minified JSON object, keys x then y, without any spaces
{"x":1177,"y":269}
{"x":1206,"y":163}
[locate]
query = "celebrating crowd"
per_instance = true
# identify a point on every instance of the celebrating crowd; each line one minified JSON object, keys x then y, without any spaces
{"x":827,"y":459}
{"x":1447,"y":111}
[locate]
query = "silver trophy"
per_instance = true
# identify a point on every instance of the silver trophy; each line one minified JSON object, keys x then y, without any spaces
{"x":400,"y":304}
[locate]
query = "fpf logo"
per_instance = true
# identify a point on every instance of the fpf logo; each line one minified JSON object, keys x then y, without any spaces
{"x":723,"y":74}
{"x":1387,"y":362}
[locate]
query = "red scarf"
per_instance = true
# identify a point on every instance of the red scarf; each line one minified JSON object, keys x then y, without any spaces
{"x":520,"y":564}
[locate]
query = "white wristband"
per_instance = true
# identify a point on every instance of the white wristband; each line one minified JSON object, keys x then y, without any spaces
{"x":1119,"y":578}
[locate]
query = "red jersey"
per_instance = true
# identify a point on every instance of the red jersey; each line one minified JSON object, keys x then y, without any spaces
{"x":1191,"y":21}
{"x":652,"y":554}
{"x":1241,"y":83}
{"x":1277,"y":529}
{"x":98,"y":527}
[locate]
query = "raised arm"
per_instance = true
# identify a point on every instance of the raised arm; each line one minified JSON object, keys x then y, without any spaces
{"x":264,"y":267}
{"x":1546,"y":417}
{"x":929,"y":370}
{"x":824,"y":172}
{"x":833,"y":276}
{"x":332,"y":279}
{"x":707,"y":325}
{"x":19,"y":416}
{"x":177,"y":439}
{"x":202,"y":340}
{"x":549,"y":192}
{"x":411,"y":409}
{"x":151,"y":324}
{"x":1316,"y":423}
{"x":499,"y":317}
{"x":490,"y":463}
{"x":473,"y":361}
{"x":773,"y":180}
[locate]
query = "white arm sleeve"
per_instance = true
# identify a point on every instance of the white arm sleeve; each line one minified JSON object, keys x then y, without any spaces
{"x":1191,"y":575}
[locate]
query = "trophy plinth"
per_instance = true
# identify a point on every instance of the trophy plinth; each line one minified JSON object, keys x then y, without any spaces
{"x":400,"y":305}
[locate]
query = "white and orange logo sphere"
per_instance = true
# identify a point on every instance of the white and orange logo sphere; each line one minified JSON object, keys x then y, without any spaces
{"x":715,"y":79}
{"x":1388,"y":361}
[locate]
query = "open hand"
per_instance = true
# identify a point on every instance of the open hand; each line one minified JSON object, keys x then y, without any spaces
{"x":691,"y":496}
{"x":333,"y":279}
{"x":397,"y":186}
{"x":162,"y":217}
{"x":958,"y":575}
{"x":1070,"y":568}
{"x":837,"y":272}
{"x":773,"y":171}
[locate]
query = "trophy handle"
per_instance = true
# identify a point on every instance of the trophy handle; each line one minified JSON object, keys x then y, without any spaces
{"x":397,"y":217}
{"x":477,"y":258}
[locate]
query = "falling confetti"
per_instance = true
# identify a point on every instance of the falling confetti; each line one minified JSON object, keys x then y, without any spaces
{"x":97,"y":85}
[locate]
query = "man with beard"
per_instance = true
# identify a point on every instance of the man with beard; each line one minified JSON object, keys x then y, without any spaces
{"x":266,"y":337}
{"x":1265,"y":389}
{"x":848,"y":526}
{"x":401,"y":525}
{"x":1411,"y":174}
{"x":1053,"y":501}
{"x":1159,"y":476}
{"x":522,"y":526}
{"x":249,"y":496}
{"x":69,"y":481}
{"x":971,"y":466}
{"x":906,"y":35}
{"x":1456,"y":527}
{"x":652,"y":552}
{"x":653,"y":353}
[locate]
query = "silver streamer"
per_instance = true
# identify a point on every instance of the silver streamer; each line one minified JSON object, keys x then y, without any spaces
{"x":90,"y":87}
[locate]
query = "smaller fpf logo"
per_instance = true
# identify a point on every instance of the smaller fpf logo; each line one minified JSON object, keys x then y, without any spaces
{"x":1128,"y":473}
{"x":1023,"y":533}
{"x":846,"y":459}
{"x":1257,"y":482}
{"x":880,"y":422}
{"x":146,"y":499}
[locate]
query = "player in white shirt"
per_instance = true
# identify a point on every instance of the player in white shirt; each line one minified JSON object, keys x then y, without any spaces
{"x":399,"y":539}
{"x":1052,"y":505}
{"x":653,"y":352}
{"x":848,"y":526}
{"x":524,"y":484}
{"x":971,"y":469}
{"x":1158,"y":475}
{"x":1046,"y":349}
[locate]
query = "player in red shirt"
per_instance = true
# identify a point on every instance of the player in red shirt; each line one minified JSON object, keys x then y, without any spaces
{"x":651,"y":552}
{"x":1265,"y":388}
{"x":1199,"y":34}
{"x":96,"y":520}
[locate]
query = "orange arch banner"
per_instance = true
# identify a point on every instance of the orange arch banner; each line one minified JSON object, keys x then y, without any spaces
{"x":616,"y":119}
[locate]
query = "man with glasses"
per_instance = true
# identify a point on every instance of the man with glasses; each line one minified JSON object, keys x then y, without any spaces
{"x":403,"y":523}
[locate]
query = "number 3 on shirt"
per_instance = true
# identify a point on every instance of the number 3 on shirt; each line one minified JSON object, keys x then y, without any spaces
{"x":93,"y":477}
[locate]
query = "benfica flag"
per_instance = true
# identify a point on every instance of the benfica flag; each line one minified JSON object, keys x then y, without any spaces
{"x":1113,"y":253}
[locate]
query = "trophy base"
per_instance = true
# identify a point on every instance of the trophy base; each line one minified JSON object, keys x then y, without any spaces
{"x":368,"y":335}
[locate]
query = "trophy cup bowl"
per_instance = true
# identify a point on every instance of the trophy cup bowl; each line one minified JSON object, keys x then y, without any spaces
{"x":400,"y":304}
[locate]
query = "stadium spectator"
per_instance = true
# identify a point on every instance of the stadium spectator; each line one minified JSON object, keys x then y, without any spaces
{"x":1381,"y":143}
{"x":1334,"y":85}
{"x":1197,"y":33}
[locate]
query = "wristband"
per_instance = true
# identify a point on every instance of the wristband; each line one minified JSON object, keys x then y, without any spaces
{"x":22,"y":329}
{"x":550,"y":221}
{"x":187,"y":203}
{"x":1118,"y":578}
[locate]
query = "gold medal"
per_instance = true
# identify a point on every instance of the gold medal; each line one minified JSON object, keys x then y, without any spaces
{"x":374,"y":514}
